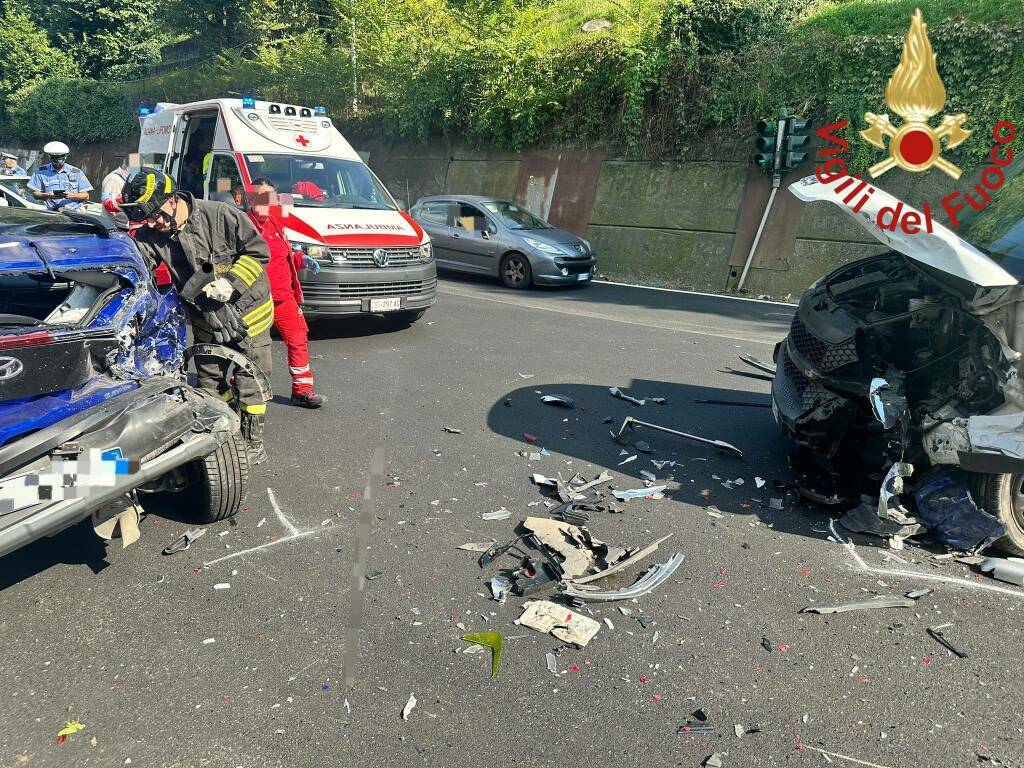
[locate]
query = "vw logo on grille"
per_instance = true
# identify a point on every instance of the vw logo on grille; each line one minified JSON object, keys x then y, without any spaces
{"x":10,"y":367}
{"x":380,"y":257}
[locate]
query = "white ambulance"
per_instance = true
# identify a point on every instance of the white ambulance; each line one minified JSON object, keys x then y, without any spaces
{"x":373,"y":256}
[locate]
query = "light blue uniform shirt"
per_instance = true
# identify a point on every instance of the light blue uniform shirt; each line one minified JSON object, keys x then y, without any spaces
{"x":17,"y":170}
{"x":68,"y":178}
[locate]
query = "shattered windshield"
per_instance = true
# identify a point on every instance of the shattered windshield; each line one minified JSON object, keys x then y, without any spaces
{"x":515,"y":217}
{"x":323,"y":182}
{"x":999,"y":228}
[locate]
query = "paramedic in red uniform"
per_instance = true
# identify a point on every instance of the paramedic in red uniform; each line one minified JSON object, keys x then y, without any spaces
{"x":286,"y":292}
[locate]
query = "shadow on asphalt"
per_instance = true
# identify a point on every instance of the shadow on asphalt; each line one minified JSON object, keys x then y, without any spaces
{"x":585,"y":437}
{"x":77,"y":545}
{"x":773,"y":316}
{"x":354,"y":327}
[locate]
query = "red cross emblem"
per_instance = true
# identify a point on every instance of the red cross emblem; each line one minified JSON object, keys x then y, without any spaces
{"x":300,"y":139}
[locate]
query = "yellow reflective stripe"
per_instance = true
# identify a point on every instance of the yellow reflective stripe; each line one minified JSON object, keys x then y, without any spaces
{"x":259,"y":313}
{"x":251,"y":263}
{"x":243,"y":274}
{"x":147,"y":193}
{"x":248,"y":265}
{"x":167,"y":185}
{"x":256,"y":330}
{"x":257,"y":409}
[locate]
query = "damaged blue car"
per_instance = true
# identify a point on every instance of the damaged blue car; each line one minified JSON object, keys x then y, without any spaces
{"x":94,"y":398}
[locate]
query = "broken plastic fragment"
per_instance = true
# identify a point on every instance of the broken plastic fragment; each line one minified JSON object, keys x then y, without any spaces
{"x":73,"y":726}
{"x":648,"y":475}
{"x":638,"y":492}
{"x":641,"y":446}
{"x":775,"y":503}
{"x":616,"y":392}
{"x":892,"y":486}
{"x":482,"y":546}
{"x":184,"y":541}
{"x":552,"y":663}
{"x":559,"y":621}
{"x":492,"y":640}
{"x":452,"y":430}
{"x":530,"y":438}
{"x":408,"y":706}
{"x":1010,"y":571}
{"x":654,"y":577}
{"x":498,"y":514}
{"x":759,"y":482}
{"x":880,"y":601}
{"x":714,"y":761}
{"x":560,"y":400}
{"x":628,"y":459}
{"x":500,"y":587}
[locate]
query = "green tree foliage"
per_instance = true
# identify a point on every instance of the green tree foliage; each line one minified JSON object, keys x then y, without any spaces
{"x":27,"y":56}
{"x":108,"y":39}
{"x":667,"y":78}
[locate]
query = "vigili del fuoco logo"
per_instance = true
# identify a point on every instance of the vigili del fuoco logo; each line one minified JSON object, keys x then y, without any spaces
{"x":916,"y":93}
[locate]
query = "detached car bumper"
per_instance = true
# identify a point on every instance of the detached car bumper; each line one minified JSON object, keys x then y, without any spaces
{"x":340,"y":290}
{"x":548,"y":271}
{"x":162,"y":425}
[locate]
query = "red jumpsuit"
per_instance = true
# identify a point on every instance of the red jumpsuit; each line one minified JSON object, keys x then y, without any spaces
{"x":282,"y":271}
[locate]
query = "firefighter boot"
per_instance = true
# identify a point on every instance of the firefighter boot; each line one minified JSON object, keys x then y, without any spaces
{"x":252,"y":431}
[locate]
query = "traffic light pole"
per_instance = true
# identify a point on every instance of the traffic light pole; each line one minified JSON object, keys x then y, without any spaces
{"x":780,"y":134}
{"x":776,"y":181}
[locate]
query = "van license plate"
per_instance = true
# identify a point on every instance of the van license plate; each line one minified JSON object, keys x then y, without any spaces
{"x":385,"y":305}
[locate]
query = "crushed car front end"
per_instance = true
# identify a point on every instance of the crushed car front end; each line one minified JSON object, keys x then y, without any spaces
{"x":908,"y":356}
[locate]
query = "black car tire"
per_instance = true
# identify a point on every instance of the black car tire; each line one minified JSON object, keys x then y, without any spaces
{"x":404,"y":319}
{"x":1003,"y":497}
{"x":515,"y":271}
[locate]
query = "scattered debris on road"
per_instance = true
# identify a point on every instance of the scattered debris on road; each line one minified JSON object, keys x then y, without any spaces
{"x":632,"y":423}
{"x":558,"y":621}
{"x":492,"y":640}
{"x":879,"y":601}
{"x":71,"y":728}
{"x":1010,"y":570}
{"x":562,"y":401}
{"x":184,"y":541}
{"x":936,"y":634}
{"x":452,"y":430}
{"x":498,"y":514}
{"x":616,"y":392}
{"x":409,"y":706}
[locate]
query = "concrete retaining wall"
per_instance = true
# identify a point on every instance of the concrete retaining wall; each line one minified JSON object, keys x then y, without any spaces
{"x":670,"y":224}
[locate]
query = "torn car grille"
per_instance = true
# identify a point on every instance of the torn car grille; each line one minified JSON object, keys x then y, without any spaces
{"x":794,"y":392}
{"x":819,"y":353}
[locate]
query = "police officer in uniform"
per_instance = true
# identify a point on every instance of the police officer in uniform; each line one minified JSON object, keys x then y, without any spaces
{"x":215,"y":257}
{"x":9,"y":165}
{"x":58,"y":184}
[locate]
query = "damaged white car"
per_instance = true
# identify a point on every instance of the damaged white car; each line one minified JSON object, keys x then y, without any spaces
{"x":912,"y":356}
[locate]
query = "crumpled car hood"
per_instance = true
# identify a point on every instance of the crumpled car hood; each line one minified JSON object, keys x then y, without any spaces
{"x":941,"y":249}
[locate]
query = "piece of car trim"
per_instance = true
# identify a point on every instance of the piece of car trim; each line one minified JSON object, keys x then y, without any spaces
{"x":622,"y":564}
{"x":654,"y":577}
{"x":880,"y":601}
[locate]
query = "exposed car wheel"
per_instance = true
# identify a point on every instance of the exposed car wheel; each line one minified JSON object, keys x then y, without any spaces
{"x":515,"y":271}
{"x":404,"y":319}
{"x":1003,"y":496}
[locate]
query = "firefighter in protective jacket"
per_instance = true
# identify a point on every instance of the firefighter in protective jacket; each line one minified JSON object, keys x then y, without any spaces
{"x":215,"y":257}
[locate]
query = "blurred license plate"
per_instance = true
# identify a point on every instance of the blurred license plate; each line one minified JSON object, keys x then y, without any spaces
{"x":385,"y":305}
{"x":581,"y":278}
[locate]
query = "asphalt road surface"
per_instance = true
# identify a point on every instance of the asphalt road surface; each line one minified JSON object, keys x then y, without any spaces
{"x":165,"y":670}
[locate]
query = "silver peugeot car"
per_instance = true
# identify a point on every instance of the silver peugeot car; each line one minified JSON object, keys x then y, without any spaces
{"x":497,"y":237}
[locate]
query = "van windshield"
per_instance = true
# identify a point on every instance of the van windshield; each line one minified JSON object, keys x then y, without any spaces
{"x":322,"y":182}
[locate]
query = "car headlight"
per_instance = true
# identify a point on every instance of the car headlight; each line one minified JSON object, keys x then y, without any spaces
{"x":541,"y":246}
{"x":318,"y":252}
{"x":426,"y":251}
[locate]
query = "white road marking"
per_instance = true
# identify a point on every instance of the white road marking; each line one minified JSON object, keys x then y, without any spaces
{"x":274,"y":543}
{"x":924,"y":575}
{"x":292,"y":530}
{"x":576,"y":311}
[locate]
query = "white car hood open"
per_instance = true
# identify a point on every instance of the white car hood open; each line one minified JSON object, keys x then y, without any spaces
{"x":941,"y":249}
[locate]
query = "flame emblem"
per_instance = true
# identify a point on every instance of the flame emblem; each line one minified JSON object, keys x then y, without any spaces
{"x":915,"y":92}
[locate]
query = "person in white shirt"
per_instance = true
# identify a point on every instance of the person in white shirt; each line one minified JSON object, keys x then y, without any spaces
{"x":114,"y":181}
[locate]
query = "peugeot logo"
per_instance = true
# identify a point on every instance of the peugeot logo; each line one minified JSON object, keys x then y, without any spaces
{"x":380,"y":257}
{"x":10,"y":367}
